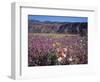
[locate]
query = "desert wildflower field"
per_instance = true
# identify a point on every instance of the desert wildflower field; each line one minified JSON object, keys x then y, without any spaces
{"x":57,"y":43}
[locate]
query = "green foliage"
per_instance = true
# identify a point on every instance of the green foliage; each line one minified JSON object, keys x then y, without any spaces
{"x":52,"y":58}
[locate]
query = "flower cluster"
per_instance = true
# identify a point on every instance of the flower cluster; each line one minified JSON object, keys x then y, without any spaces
{"x":44,"y":51}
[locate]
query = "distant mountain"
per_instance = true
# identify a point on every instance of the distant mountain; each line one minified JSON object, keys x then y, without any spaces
{"x":35,"y":26}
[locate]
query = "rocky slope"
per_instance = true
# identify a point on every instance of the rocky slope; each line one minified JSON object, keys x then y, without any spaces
{"x":57,"y":27}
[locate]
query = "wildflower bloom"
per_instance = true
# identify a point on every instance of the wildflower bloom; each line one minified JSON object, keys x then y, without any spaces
{"x":80,"y":40}
{"x":61,"y":53}
{"x":70,"y":59}
{"x":41,"y":47}
{"x":65,"y":49}
{"x":60,"y":59}
{"x":56,"y":44}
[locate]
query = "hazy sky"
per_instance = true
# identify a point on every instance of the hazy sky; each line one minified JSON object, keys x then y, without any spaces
{"x":57,"y":18}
